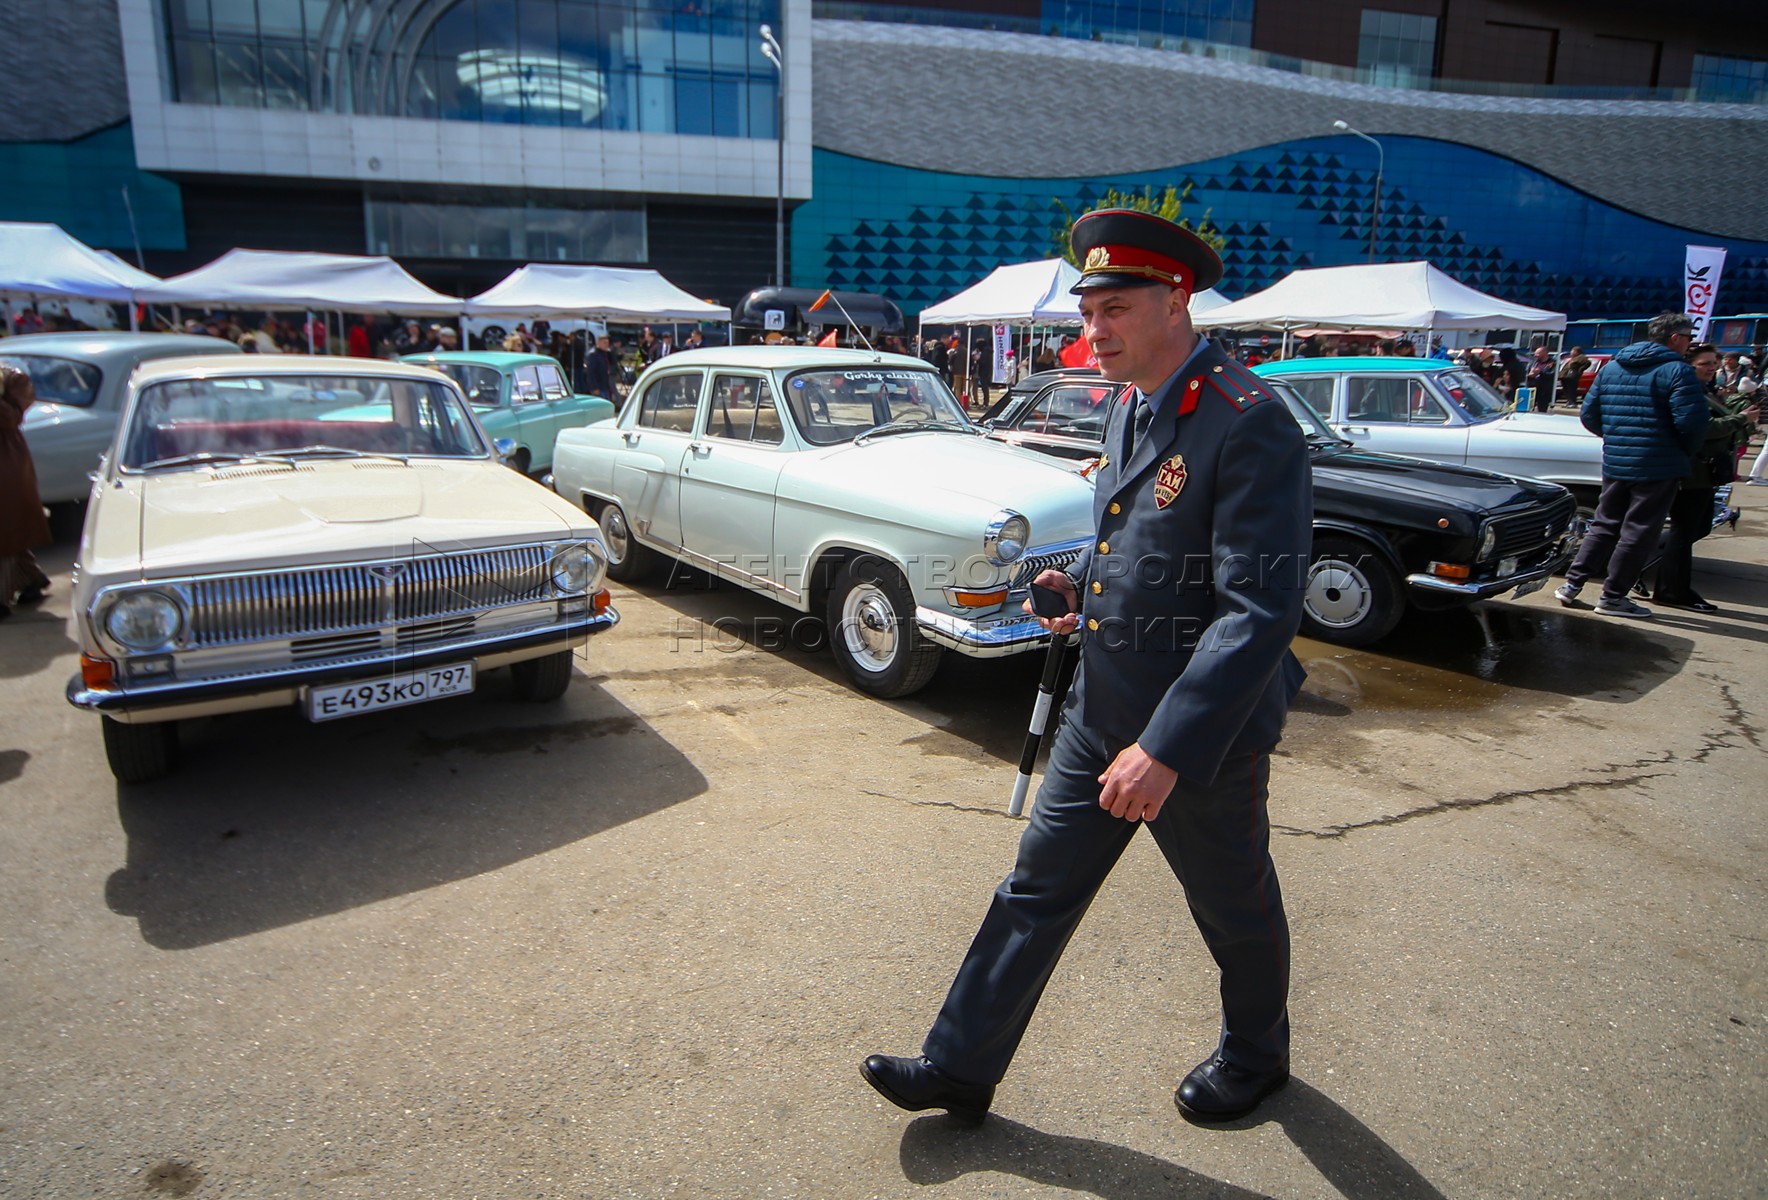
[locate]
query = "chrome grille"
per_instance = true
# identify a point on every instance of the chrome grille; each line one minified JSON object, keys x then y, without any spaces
{"x":1035,"y":564}
{"x":1523,"y":533}
{"x":307,"y":604}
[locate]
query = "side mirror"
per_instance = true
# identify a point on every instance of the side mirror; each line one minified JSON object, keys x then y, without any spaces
{"x":505,"y":449}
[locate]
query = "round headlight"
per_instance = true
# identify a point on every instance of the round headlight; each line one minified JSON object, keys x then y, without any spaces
{"x":1488,"y":542}
{"x":143,"y":620}
{"x":1006,"y":538}
{"x":571,"y":568}
{"x":598,"y":567}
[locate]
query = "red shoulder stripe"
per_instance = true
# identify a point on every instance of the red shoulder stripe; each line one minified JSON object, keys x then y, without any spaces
{"x":1231,"y":392}
{"x":1248,"y":380}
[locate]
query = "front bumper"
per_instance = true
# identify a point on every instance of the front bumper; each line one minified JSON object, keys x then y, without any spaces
{"x":1447,"y":592}
{"x":990,"y":637}
{"x":283,"y":684}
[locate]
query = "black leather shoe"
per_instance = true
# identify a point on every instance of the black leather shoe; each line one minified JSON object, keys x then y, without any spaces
{"x":1218,"y":1090}
{"x":1691,"y":603}
{"x":916,"y":1084}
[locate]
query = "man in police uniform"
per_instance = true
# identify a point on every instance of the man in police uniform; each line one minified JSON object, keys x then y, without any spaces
{"x":1189,"y":598}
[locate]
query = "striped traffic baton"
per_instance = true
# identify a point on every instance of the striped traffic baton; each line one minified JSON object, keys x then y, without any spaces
{"x":1040,"y":717}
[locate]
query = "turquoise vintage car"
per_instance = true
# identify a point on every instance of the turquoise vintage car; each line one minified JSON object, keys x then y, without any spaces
{"x":522,"y":397}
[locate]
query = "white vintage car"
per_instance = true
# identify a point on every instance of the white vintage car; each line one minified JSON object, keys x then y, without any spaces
{"x":335,"y":535}
{"x":1435,"y":409}
{"x":845,"y":484}
{"x":82,"y":380}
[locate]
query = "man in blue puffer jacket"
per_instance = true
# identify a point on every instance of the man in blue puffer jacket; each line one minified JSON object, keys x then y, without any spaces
{"x":1648,"y":408}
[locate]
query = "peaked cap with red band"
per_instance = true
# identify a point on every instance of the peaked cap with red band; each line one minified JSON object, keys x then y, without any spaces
{"x":1120,"y":247}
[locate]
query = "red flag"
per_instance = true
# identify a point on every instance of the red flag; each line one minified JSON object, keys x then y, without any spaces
{"x":831,"y":338}
{"x":1079,"y":354}
{"x":822,"y":299}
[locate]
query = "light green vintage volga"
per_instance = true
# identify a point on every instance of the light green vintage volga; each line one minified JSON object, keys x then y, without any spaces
{"x":845,"y":484}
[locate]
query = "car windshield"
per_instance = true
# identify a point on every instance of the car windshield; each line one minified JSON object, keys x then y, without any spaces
{"x":179,"y":422}
{"x":483,"y":385}
{"x":834,"y":406}
{"x":1008,"y":407}
{"x":58,"y":380}
{"x":1479,"y":398}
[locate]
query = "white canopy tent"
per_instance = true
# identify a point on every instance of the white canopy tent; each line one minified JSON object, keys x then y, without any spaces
{"x":277,"y":280}
{"x":1030,"y":293}
{"x":601,"y":293}
{"x":1414,"y":295}
{"x":39,"y":261}
{"x":1207,"y":301}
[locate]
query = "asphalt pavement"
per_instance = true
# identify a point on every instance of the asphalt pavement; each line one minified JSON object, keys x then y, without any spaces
{"x":636,"y":943}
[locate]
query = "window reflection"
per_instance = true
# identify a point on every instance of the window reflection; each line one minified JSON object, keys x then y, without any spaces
{"x":524,"y":233}
{"x":687,"y":66}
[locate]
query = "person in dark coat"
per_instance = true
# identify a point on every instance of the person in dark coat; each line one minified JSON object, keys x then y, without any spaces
{"x":1650,"y":410}
{"x":1729,"y":426}
{"x":599,"y":369}
{"x":936,"y":356}
{"x":1571,"y":374}
{"x":1542,"y":374}
{"x":23,"y":524}
{"x":1186,"y":601}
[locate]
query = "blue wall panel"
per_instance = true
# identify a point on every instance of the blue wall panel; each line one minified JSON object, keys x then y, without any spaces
{"x":920,"y":236}
{"x":79,"y":186}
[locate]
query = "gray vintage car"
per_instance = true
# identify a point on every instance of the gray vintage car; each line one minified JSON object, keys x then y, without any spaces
{"x":82,"y":380}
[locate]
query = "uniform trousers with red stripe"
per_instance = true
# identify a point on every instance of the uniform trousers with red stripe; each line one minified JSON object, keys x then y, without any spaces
{"x":1217,"y":841}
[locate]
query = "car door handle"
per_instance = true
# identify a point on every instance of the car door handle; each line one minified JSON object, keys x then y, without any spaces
{"x":1362,"y":429}
{"x":630,"y":437}
{"x":701,"y":449}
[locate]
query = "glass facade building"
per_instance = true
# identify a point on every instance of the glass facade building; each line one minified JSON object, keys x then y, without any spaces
{"x":640,"y":65}
{"x":1396,"y":49}
{"x":1730,"y":79}
{"x":1152,"y":22}
{"x":584,"y":232}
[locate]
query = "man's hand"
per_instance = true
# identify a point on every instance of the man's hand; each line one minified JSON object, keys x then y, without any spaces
{"x":1136,"y":785}
{"x":1058,"y":581}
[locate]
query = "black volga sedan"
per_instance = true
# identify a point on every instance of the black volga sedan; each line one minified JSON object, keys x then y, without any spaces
{"x":1389,"y":531}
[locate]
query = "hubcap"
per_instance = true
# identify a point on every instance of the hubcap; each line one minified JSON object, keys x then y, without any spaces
{"x":614,"y":534}
{"x":868,"y":627}
{"x":1339,"y":595}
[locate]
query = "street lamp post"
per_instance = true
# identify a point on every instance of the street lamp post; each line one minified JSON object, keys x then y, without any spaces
{"x":770,"y":49}
{"x":1380,"y":164}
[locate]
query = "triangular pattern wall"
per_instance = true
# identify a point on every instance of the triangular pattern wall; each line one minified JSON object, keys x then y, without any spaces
{"x":920,"y":236}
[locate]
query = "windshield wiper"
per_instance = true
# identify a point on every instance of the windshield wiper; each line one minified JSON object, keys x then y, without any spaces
{"x":912,"y":426}
{"x":339,"y":452}
{"x":216,"y":457}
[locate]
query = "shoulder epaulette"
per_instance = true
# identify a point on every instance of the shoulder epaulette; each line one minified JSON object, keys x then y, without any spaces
{"x":1237,"y":385}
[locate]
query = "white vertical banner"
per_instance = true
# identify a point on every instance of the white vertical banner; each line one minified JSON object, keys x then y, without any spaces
{"x":1003,"y":342}
{"x":1700,"y":285}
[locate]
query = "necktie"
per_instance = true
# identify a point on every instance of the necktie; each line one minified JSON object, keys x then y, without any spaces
{"x":1144,"y":417}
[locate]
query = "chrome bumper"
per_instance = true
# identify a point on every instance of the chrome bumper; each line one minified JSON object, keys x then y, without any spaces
{"x":290,"y":678}
{"x":991,"y":637}
{"x":1431,"y":585}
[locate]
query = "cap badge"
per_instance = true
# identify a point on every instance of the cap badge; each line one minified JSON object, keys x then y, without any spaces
{"x":1169,"y":481}
{"x":1098,"y":257}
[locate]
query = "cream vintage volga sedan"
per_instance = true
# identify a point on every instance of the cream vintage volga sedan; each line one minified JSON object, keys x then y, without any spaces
{"x":335,"y":535}
{"x":845,"y":484}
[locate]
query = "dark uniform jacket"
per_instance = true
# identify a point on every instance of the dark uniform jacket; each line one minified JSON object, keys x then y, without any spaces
{"x":1192,"y":591}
